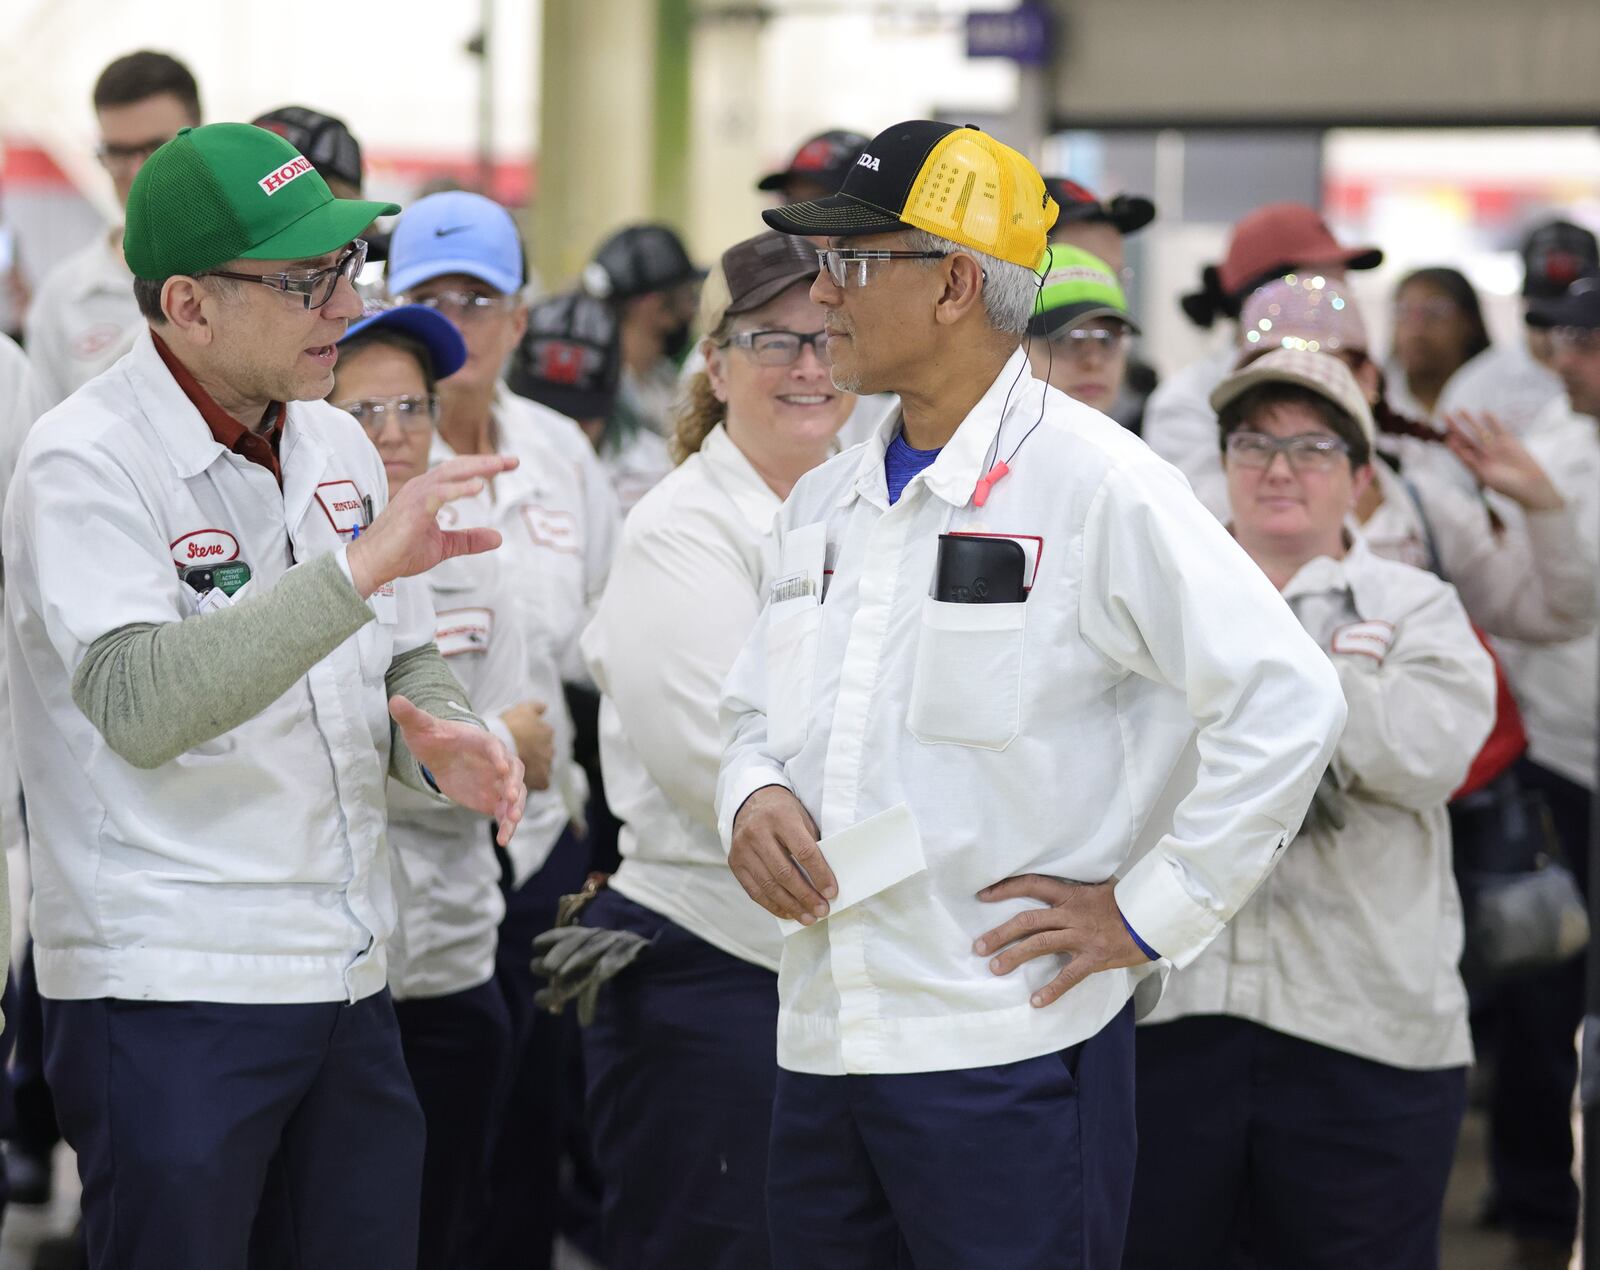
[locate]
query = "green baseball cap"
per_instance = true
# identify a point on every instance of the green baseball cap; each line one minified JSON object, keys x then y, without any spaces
{"x":1078,"y":287}
{"x":232,"y":191}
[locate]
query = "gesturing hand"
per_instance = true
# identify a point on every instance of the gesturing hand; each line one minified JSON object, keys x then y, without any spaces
{"x":1082,"y":924}
{"x":1492,"y":453}
{"x":775,"y":857}
{"x":535,"y":740}
{"x":406,"y":539}
{"x":470,"y":767}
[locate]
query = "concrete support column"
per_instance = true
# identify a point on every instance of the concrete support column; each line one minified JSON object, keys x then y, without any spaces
{"x":613,"y":125}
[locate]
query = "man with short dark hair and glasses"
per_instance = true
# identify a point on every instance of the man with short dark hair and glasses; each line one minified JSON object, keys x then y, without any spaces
{"x":218,"y":653}
{"x":83,"y":316}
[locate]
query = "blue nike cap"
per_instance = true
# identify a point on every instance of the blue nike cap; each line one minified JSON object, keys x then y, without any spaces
{"x":455,"y":232}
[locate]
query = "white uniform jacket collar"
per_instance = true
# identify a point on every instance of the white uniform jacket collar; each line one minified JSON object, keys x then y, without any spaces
{"x":187,"y":439}
{"x":1368,"y":588}
{"x":737,"y":477}
{"x":954,"y":475}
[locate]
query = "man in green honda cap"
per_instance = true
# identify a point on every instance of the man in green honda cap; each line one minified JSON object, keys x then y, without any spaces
{"x":217,"y":656}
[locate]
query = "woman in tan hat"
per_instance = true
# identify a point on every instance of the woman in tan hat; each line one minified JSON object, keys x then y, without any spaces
{"x":1327,"y":1025}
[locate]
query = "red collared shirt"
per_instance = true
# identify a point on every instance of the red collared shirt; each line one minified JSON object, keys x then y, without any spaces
{"x":227,"y":430}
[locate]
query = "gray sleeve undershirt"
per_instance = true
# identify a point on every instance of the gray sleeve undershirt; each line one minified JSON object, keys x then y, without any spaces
{"x":158,"y":689}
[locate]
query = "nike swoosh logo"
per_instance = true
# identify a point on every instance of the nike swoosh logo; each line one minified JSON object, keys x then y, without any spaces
{"x":441,"y":232}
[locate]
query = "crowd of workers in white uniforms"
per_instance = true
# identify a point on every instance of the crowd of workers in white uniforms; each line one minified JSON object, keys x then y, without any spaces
{"x":812,"y":759}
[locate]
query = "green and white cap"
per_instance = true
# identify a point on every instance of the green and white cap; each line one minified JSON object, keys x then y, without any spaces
{"x":232,"y":191}
{"x":1078,"y":287}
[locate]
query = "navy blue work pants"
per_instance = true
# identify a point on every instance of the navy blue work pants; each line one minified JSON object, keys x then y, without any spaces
{"x":458,"y":1050}
{"x":1023,"y":1166}
{"x":191,"y":1119}
{"x":681,"y":1065}
{"x":1263,"y":1150}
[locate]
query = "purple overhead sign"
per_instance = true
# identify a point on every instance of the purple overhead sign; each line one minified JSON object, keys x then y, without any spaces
{"x":1023,"y":35}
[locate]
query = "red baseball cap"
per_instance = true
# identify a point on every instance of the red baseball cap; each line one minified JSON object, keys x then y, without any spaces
{"x":1280,"y":237}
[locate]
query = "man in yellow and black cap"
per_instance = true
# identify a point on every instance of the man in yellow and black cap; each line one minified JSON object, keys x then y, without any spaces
{"x":218,"y":654}
{"x":997,"y":636}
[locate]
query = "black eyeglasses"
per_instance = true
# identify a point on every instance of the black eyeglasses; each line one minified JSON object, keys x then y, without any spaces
{"x":113,"y":154}
{"x":315,"y":287}
{"x":782,"y":348}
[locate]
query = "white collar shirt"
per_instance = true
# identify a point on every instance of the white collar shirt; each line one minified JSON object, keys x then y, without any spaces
{"x":83,"y":317}
{"x":252,"y":868}
{"x":1353,"y":940}
{"x":685,"y":589}
{"x":1152,"y":712}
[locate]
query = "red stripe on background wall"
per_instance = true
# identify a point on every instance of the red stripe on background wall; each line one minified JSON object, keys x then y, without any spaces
{"x":27,"y":166}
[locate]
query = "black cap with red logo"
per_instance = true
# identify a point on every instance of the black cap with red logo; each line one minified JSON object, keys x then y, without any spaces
{"x":570,"y":359}
{"x":1554,"y":255}
{"x":825,"y":159}
{"x":1128,"y":212}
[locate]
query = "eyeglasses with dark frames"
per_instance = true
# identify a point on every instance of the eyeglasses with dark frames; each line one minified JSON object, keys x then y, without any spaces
{"x":315,"y":287}
{"x":781,"y":348}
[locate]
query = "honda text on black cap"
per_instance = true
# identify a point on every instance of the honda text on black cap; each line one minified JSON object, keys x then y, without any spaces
{"x":958,"y":183}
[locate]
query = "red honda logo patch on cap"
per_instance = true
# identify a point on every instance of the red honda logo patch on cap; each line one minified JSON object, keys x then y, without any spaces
{"x":293,"y":170}
{"x":812,"y":156}
{"x":560,"y":363}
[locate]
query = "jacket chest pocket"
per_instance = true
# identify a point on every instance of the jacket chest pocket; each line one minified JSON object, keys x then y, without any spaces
{"x":793,"y":631}
{"x":967,"y":686}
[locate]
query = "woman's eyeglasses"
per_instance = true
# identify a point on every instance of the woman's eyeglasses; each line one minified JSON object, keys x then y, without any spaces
{"x":781,"y":348}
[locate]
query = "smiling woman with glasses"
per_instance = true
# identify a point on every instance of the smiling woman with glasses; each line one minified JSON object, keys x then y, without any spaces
{"x":696,"y":1098}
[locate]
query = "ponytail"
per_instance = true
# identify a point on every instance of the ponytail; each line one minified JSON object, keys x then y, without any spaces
{"x":698,"y":414}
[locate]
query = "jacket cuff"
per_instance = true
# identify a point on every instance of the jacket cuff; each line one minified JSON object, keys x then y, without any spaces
{"x":1155,"y":903}
{"x":738,"y":790}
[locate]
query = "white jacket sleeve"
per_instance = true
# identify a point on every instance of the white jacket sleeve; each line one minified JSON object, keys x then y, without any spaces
{"x":660,"y":654}
{"x":1537,"y":582}
{"x":746,"y":763}
{"x":1168,"y":595}
{"x":1182,"y":428}
{"x":1419,"y":716}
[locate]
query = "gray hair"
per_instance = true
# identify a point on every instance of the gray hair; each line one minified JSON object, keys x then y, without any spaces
{"x":1009,"y":291}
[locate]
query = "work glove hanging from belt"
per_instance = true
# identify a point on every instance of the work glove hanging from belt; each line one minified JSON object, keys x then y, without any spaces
{"x":578,"y":961}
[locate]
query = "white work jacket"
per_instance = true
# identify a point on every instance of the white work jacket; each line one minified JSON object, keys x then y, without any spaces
{"x":1534,"y":581}
{"x":83,"y":318}
{"x":558,"y":522}
{"x":1058,"y":735}
{"x":1181,"y":426}
{"x":685,"y":589}
{"x":446,"y":876}
{"x":567,"y":529}
{"x":253,"y":868}
{"x":1353,"y":941}
{"x":1555,"y":685}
